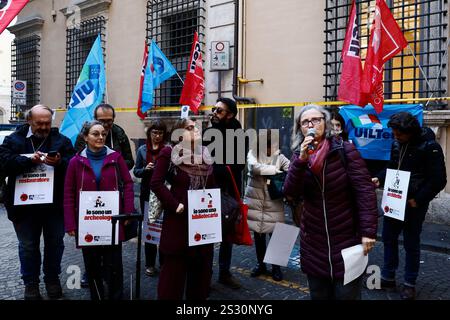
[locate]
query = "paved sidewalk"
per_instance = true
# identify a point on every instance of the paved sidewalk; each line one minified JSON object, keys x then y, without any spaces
{"x":433,"y":282}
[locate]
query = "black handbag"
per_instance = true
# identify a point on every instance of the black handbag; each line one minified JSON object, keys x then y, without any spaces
{"x":275,"y":185}
{"x":230,"y":213}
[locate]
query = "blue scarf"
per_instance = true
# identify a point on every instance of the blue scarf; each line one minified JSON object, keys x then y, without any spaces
{"x":96,"y":161}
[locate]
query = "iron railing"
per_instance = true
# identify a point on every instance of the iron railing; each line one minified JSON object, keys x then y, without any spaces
{"x":172,"y":24}
{"x":79,"y":40}
{"x":25,"y":66}
{"x":424,"y":24}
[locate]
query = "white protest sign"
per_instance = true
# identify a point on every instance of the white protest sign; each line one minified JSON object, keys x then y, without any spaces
{"x":281,"y":244}
{"x":204,"y":217}
{"x":395,"y":193}
{"x":152,"y":230}
{"x":355,"y":262}
{"x":94,"y":220}
{"x":35,"y":186}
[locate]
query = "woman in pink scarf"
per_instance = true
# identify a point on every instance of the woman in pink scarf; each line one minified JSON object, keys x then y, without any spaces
{"x":339,"y":203}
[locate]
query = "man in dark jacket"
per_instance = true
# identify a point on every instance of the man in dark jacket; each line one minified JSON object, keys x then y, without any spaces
{"x":223,"y":118}
{"x":116,"y":139}
{"x":414,"y":150}
{"x":24,"y":151}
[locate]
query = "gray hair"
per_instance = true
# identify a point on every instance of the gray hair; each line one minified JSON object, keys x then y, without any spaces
{"x":297,"y":135}
{"x":87,"y":127}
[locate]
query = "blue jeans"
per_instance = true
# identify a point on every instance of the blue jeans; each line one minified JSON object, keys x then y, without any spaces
{"x":328,"y":289}
{"x":28,"y":231}
{"x":411,"y":227}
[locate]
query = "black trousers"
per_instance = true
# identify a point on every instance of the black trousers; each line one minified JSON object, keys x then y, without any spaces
{"x":104,"y":263}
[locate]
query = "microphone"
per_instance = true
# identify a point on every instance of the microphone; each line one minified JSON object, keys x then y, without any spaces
{"x":311,"y":133}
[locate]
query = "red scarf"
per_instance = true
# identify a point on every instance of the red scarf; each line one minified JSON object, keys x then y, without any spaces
{"x":151,"y":154}
{"x":317,"y":159}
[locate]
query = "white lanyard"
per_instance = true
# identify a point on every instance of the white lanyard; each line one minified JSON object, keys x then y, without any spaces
{"x":32,"y":144}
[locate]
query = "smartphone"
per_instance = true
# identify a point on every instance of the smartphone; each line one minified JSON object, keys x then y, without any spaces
{"x":52,"y":154}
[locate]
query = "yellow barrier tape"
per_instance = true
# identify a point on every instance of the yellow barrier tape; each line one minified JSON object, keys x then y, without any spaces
{"x":278,"y":105}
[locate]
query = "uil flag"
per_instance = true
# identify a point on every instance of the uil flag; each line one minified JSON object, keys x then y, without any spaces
{"x":365,"y":119}
{"x":351,"y":76}
{"x":87,"y":94}
{"x":194,"y":84}
{"x":157,"y":70}
{"x":8,"y":10}
{"x":386,"y":40}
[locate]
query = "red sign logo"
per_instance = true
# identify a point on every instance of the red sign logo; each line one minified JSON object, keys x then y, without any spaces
{"x":88,"y":238}
{"x":198,"y":237}
{"x":24,"y":197}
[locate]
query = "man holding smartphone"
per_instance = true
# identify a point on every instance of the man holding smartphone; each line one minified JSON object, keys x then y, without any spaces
{"x":34,"y":144}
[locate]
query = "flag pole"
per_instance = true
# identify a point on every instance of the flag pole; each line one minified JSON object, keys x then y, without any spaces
{"x":420,"y":67}
{"x":180,"y":78}
{"x":439,"y":73}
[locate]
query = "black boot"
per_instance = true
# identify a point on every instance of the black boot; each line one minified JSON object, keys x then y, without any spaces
{"x":276,"y":273}
{"x":259,"y":270}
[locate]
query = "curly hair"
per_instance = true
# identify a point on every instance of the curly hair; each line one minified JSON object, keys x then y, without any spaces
{"x":406,"y":123}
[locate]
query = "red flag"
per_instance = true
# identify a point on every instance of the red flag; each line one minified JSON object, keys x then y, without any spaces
{"x":350,"y":83}
{"x":8,"y":10}
{"x":194,"y":84}
{"x":386,"y":40}
{"x":144,"y":65}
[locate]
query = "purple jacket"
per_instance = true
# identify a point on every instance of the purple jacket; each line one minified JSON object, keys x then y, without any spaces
{"x":337,"y":218}
{"x":174,"y":234}
{"x":79,"y":166}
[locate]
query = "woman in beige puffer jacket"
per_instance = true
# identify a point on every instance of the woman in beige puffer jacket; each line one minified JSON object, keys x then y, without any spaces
{"x":263,"y":212}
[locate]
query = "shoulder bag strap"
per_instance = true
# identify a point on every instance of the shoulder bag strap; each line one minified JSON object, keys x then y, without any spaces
{"x":236,"y":191}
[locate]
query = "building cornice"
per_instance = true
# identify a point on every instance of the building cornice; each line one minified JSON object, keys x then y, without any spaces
{"x":437,"y":117}
{"x":87,"y":7}
{"x":436,"y":120}
{"x":29,"y":24}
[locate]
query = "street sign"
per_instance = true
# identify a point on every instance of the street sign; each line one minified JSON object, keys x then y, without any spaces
{"x":220,"y":55}
{"x":19,"y":92}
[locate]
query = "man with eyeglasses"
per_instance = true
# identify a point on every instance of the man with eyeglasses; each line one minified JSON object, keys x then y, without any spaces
{"x":223,"y":118}
{"x":116,"y":140}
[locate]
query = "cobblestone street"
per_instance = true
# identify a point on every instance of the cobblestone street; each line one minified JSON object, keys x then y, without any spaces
{"x":433,"y":282}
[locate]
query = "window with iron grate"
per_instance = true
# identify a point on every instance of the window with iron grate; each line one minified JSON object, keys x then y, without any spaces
{"x":172,"y":24}
{"x":424,"y":24}
{"x":79,"y":41}
{"x":25,"y":66}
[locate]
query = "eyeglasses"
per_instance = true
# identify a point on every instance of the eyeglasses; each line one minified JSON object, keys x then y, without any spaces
{"x":218,"y":110}
{"x":106,"y":121}
{"x":98,"y":134}
{"x":157,"y":132}
{"x":314,"y":121}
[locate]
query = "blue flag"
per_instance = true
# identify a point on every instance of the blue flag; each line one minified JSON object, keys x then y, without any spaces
{"x":369,"y":131}
{"x":87,"y":94}
{"x":158,"y":70}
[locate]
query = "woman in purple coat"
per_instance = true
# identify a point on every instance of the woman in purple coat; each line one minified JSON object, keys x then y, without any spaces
{"x":186,"y":166}
{"x":340,"y":206}
{"x":98,"y":168}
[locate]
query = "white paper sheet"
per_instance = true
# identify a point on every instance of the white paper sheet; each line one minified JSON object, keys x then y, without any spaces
{"x":355,"y":262}
{"x":281,"y":244}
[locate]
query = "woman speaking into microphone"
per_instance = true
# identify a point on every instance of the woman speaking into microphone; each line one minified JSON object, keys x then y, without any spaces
{"x":339,"y":203}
